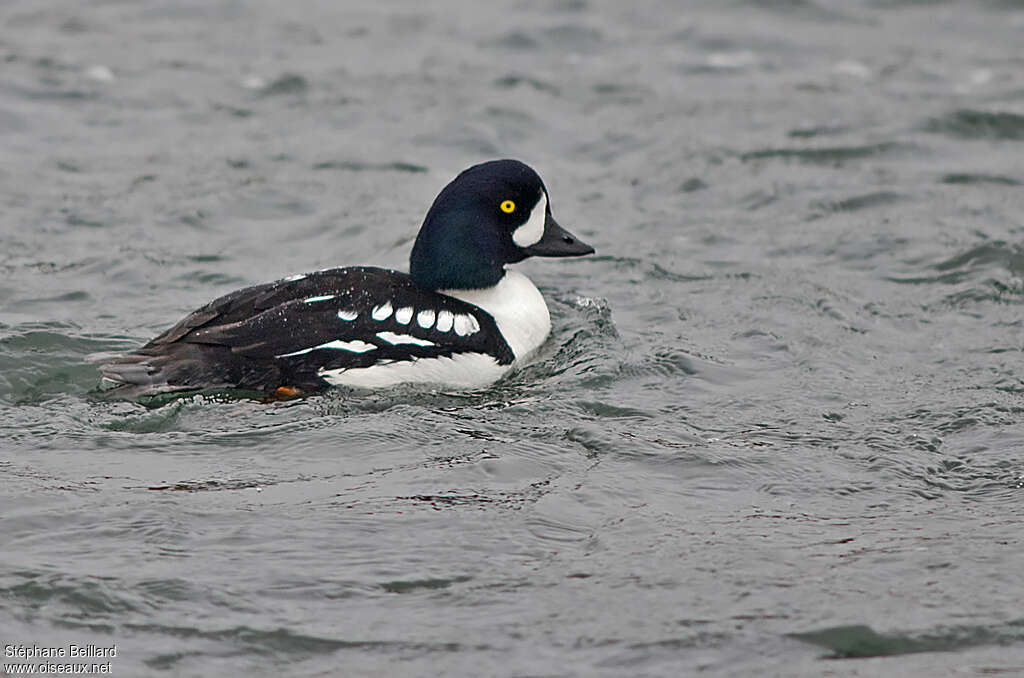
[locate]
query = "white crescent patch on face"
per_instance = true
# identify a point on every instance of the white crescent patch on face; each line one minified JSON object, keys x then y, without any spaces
{"x":532,"y":231}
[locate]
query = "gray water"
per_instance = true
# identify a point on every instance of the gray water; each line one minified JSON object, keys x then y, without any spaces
{"x":777,"y":429}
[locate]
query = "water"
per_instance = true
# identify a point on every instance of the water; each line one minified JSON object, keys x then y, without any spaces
{"x":777,"y":428}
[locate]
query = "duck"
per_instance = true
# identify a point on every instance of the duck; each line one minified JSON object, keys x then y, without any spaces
{"x":459,"y":319}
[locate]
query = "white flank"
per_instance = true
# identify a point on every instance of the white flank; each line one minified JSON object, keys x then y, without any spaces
{"x":293,"y":278}
{"x":348,"y":315}
{"x":355,"y":346}
{"x":518,"y":308}
{"x":532,"y":231}
{"x":403,"y":315}
{"x":466,"y":324}
{"x":393,"y":339}
{"x":425,"y":319}
{"x":381,"y":312}
{"x":325,"y":297}
{"x":464,"y":370}
{"x":445,"y":320}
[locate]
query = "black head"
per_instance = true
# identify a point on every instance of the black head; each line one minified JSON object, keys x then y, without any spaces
{"x":490,"y":215}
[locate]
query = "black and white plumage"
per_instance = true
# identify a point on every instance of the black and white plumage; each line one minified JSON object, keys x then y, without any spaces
{"x":458,"y":319}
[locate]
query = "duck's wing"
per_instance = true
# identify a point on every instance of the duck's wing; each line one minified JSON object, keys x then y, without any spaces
{"x":293,"y":328}
{"x":371,"y":309}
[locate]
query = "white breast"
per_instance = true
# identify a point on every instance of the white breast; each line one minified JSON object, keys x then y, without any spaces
{"x":518,"y":308}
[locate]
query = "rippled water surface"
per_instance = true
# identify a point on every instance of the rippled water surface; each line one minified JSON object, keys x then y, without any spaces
{"x":777,"y":429}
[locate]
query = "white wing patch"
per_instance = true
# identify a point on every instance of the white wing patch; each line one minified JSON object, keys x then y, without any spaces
{"x":312,"y":300}
{"x":445,"y":319}
{"x":425,"y":319}
{"x":348,"y":315}
{"x":465,"y":325}
{"x":352,"y":346}
{"x":293,"y":278}
{"x":394,"y":339}
{"x":381,"y":312}
{"x":532,"y":231}
{"x":404,"y":315}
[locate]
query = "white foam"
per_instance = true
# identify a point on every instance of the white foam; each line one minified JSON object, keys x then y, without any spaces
{"x":100,"y":72}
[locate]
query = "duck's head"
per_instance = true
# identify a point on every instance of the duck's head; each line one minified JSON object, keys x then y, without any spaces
{"x":492,"y":214}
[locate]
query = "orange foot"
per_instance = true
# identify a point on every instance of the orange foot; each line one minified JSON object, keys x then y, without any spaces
{"x":284,"y":392}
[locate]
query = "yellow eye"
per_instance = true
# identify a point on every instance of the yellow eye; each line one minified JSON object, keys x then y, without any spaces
{"x":508,"y":207}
